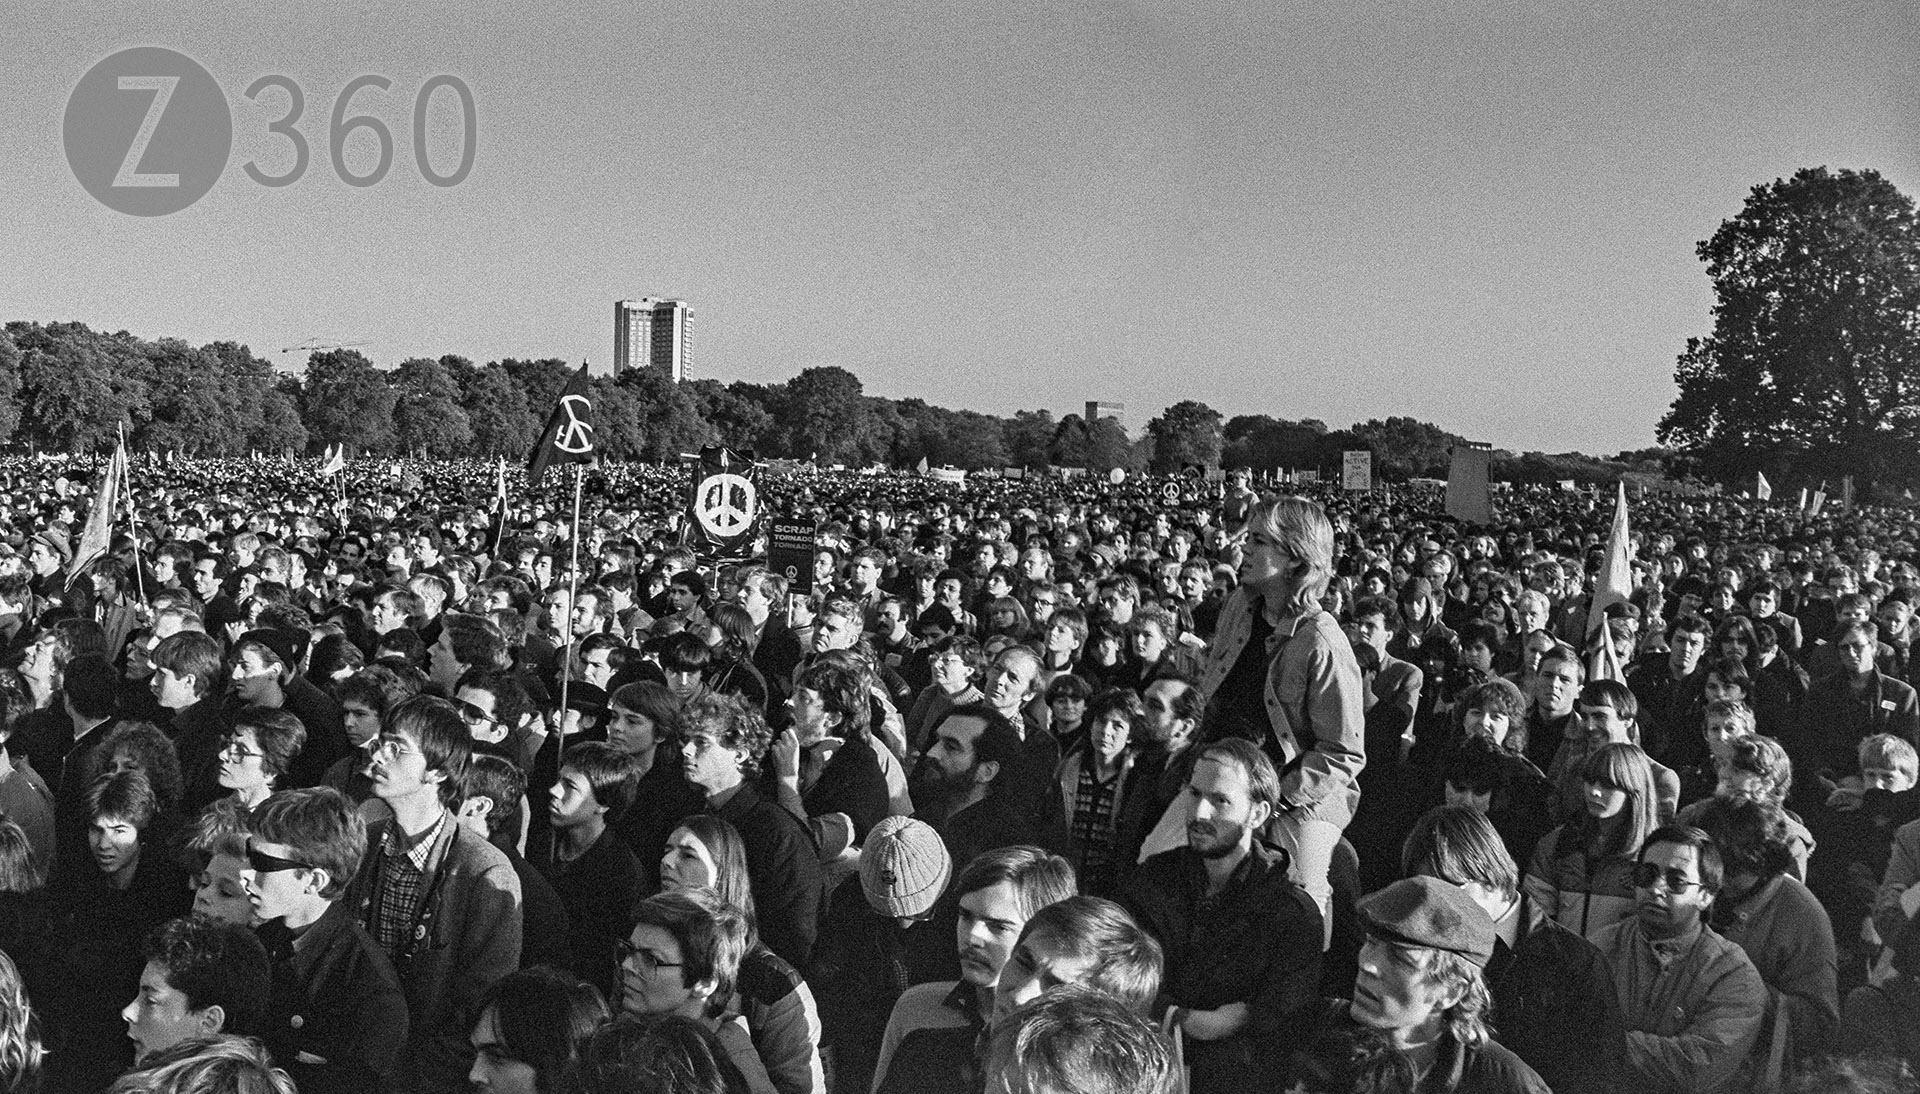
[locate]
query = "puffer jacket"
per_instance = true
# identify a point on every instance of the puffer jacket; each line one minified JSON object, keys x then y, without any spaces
{"x":1580,"y":894}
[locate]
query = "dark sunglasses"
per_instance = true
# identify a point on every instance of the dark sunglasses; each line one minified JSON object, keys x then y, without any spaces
{"x":474,"y":715}
{"x":262,"y":863}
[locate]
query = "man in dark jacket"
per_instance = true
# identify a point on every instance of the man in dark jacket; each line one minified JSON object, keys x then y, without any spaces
{"x":1242,"y":942}
{"x":264,"y":664}
{"x":590,"y":866}
{"x":338,"y":1021}
{"x":1158,"y":780}
{"x":496,"y":791}
{"x":828,"y":773}
{"x":1842,"y":709}
{"x":442,"y":902}
{"x":957,"y":788}
{"x":881,"y":935}
{"x":724,"y":740}
{"x":1418,"y":1007}
{"x":1553,"y":997}
{"x":186,"y":672}
{"x":1668,"y":689}
{"x":640,"y":716}
{"x":778,"y":652}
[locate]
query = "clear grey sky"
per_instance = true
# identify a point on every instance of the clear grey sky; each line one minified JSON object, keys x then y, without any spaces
{"x":1481,"y":213}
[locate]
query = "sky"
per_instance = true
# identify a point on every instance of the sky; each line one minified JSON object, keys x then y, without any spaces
{"x":1479,"y":213}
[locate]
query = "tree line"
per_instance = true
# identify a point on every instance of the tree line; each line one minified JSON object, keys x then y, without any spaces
{"x":67,"y":387}
{"x":1811,"y":372}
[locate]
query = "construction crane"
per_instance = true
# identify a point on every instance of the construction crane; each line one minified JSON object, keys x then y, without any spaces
{"x":315,"y":345}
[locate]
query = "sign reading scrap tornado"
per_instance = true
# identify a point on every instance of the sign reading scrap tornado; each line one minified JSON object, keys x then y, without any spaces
{"x":1468,"y":497}
{"x":790,"y":553}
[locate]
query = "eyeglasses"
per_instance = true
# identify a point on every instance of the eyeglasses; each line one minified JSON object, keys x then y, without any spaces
{"x":238,"y":750}
{"x":390,"y":746}
{"x":262,"y":863}
{"x":648,"y":962}
{"x":1646,"y":875}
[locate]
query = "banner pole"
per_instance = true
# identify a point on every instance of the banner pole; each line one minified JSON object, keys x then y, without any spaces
{"x":567,"y":648}
{"x":500,"y":529}
{"x":133,"y":525}
{"x":573,"y":593}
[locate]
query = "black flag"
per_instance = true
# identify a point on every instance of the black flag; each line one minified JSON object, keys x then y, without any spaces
{"x":724,"y":503}
{"x":568,"y":437}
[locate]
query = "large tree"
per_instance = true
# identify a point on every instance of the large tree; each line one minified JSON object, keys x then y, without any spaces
{"x":667,"y":415}
{"x":1026,"y":435}
{"x":824,"y":413}
{"x":542,"y":380}
{"x":427,"y":415}
{"x":280,"y":428}
{"x":1813,"y":366}
{"x":737,"y":411}
{"x":1403,"y":448}
{"x":1266,"y":443}
{"x":503,"y":424}
{"x":1188,"y":432}
{"x":347,"y":401}
{"x":77,"y":386}
{"x":192,"y":408}
{"x":9,"y":384}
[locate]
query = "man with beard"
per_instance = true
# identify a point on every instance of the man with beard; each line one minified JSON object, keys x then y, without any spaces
{"x":958,"y":786}
{"x":1692,"y":1001}
{"x":1242,"y":942}
{"x":935,"y":1028}
{"x":1158,"y":781}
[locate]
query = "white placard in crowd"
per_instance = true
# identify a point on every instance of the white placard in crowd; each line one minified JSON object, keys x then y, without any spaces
{"x":1356,"y":470}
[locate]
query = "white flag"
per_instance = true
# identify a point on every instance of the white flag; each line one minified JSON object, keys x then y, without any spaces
{"x":1614,"y":585}
{"x":98,"y":533}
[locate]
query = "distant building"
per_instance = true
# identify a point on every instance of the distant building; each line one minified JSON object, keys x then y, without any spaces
{"x":1116,"y":411}
{"x":653,"y":333}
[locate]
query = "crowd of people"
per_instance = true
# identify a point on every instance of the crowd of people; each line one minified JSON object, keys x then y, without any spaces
{"x":1033,"y":786}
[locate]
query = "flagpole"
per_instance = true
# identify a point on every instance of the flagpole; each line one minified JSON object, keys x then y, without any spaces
{"x":500,"y":529}
{"x":573,"y":594}
{"x":567,"y":648}
{"x":133,"y":527}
